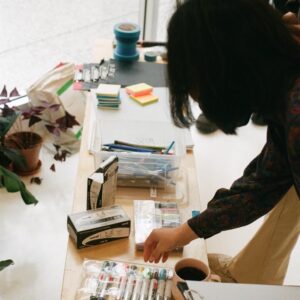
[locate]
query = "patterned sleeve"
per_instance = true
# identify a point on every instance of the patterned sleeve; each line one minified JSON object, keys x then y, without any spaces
{"x":293,"y":135}
{"x":264,"y":182}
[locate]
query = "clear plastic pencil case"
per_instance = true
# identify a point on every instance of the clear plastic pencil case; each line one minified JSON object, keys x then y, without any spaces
{"x":123,"y":281}
{"x":149,"y":215}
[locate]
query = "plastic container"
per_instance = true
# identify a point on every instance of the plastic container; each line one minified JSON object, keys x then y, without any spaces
{"x":143,"y":169}
{"x":124,"y":281}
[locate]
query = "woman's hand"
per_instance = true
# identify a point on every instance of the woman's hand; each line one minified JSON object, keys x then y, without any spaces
{"x":161,"y":241}
{"x":293,"y":24}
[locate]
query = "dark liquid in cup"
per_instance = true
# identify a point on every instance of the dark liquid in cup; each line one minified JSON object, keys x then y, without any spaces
{"x":191,"y":273}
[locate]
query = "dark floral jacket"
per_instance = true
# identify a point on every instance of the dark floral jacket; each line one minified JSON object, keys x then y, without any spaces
{"x":265,"y":180}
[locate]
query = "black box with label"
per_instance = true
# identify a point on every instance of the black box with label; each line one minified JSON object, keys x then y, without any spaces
{"x":98,"y":226}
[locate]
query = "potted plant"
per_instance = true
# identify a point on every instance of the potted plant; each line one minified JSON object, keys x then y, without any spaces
{"x":25,"y":145}
{"x":27,"y":141}
{"x":9,"y":180}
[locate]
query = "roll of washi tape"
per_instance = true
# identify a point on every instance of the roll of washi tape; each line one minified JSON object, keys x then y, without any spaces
{"x":127,"y":34}
{"x":150,"y":56}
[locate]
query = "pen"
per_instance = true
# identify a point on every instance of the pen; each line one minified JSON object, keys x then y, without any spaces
{"x":170,"y":147}
{"x":138,"y":285}
{"x":129,"y":287}
{"x":101,"y":276}
{"x":128,"y":148}
{"x":158,"y":148}
{"x":146,"y":282}
{"x":113,"y":290}
{"x":153,"y":286}
{"x":161,"y":284}
{"x":130,"y":282}
{"x":184,"y":289}
{"x":122,"y":287}
{"x":106,"y":280}
{"x":168,"y":287}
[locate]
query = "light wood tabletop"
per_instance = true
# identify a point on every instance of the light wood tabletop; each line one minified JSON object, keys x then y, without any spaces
{"x":124,"y":249}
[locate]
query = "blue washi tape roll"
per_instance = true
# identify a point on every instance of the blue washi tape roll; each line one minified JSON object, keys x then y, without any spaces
{"x":127,"y":34}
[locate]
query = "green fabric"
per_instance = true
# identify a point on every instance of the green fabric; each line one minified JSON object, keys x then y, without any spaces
{"x":64,"y":87}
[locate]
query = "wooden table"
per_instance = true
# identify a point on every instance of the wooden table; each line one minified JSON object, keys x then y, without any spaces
{"x":124,"y":249}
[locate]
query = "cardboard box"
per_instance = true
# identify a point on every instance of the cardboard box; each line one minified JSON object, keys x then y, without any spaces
{"x":102,"y":184}
{"x":98,"y":226}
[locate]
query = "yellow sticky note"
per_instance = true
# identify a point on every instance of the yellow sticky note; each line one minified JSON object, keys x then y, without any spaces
{"x":144,"y":100}
{"x":139,"y":89}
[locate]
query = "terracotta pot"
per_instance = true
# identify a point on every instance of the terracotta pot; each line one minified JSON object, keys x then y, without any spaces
{"x":29,"y":145}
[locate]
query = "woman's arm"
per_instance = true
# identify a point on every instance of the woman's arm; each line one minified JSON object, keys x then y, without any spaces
{"x":265,"y":181}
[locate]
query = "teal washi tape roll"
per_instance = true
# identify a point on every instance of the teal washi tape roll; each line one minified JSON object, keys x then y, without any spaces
{"x":150,"y":56}
{"x":195,"y":213}
{"x":127,"y":34}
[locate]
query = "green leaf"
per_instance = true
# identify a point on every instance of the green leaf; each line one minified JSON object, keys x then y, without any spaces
{"x":5,"y":263}
{"x":13,"y":183}
{"x":26,"y":195}
{"x":7,"y":122}
{"x":14,"y":156}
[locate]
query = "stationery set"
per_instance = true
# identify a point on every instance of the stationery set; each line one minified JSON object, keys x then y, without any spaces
{"x":124,"y":281}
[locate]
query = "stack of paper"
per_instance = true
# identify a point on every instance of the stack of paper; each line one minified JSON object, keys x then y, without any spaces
{"x":108,"y":96}
{"x":141,"y":93}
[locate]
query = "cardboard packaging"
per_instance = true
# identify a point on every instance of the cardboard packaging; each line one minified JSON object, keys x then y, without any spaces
{"x":92,"y":227}
{"x":102,"y":184}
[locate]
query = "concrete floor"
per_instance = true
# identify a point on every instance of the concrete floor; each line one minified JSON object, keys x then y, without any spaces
{"x":35,"y":36}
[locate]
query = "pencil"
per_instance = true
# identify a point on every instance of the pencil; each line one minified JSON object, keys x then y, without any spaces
{"x":170,"y":147}
{"x":159,"y":148}
{"x":129,"y":148}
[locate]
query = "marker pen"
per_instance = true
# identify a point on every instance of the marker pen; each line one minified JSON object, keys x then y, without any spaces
{"x":114,"y":288}
{"x":168,"y":287}
{"x":138,"y":285}
{"x":161,"y":284}
{"x":153,"y":286}
{"x":122,"y":287}
{"x":130,"y":282}
{"x":101,"y":276}
{"x":108,"y":278}
{"x":146,"y":283}
{"x":129,"y":287}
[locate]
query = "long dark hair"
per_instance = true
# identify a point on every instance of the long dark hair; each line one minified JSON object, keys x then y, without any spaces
{"x":236,"y":56}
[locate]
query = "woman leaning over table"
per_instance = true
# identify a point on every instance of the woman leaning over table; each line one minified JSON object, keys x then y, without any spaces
{"x":235,"y":58}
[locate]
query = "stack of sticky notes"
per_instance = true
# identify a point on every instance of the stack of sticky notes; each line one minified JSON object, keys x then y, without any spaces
{"x":141,"y":93}
{"x":108,"y":96}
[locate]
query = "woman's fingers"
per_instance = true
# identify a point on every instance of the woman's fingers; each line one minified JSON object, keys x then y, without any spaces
{"x":158,"y":259}
{"x":290,"y":18}
{"x":149,"y":246}
{"x":156,"y":253}
{"x":165,"y":257}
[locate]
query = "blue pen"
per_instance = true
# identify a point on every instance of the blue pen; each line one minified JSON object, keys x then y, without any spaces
{"x":129,"y":148}
{"x":170,"y":147}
